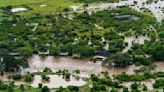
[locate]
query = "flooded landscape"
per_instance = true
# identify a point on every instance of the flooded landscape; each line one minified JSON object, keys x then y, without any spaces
{"x":86,"y":67}
{"x":155,"y":7}
{"x":57,"y":81}
{"x":132,"y":40}
{"x":78,"y":45}
{"x":38,"y":64}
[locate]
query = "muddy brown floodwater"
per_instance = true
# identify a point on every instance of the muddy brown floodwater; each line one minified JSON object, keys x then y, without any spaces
{"x":86,"y":67}
{"x":57,"y":81}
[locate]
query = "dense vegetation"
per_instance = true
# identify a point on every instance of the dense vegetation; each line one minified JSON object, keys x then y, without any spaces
{"x":64,"y":31}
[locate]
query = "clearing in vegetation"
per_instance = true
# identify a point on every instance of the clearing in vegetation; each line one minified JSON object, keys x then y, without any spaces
{"x":38,"y":6}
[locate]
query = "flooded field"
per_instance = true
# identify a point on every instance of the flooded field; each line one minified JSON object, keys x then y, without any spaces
{"x":131,"y":40}
{"x":148,"y":83}
{"x":57,"y":81}
{"x":86,"y":67}
{"x":38,"y":63}
{"x":155,"y":7}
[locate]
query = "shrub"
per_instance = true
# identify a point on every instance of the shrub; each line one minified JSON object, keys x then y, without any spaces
{"x":123,"y":77}
{"x":28,"y":78}
{"x":45,"y":89}
{"x":144,"y":88}
{"x":73,"y":88}
{"x":134,"y":86}
{"x":137,"y":77}
{"x":46,"y":78}
{"x":159,"y":74}
{"x":159,"y":83}
{"x":40,"y":85}
{"x":3,"y":87}
{"x":16,"y":77}
{"x":125,"y":90}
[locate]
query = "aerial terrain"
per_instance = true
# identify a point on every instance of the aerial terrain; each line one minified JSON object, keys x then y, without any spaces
{"x":81,"y":46}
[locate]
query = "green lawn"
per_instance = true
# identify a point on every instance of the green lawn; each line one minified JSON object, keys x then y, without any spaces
{"x":17,"y":2}
{"x":51,"y":5}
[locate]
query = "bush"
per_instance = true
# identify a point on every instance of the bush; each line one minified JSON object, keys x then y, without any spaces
{"x":67,"y":75}
{"x":16,"y":77}
{"x":137,"y":77}
{"x":134,"y":86}
{"x":126,"y":77}
{"x":46,"y":78}
{"x":22,"y":87}
{"x":45,"y":89}
{"x":123,"y":77}
{"x":159,"y":83}
{"x":28,"y":78}
{"x":3,"y":87}
{"x":125,"y":90}
{"x":77,"y":71}
{"x":159,"y":74}
{"x":144,"y":88}
{"x":147,"y":75}
{"x":47,"y":70}
{"x":94,"y":77}
{"x":40,"y":85}
{"x":113,"y":90}
{"x":73,"y":88}
{"x":97,"y":87}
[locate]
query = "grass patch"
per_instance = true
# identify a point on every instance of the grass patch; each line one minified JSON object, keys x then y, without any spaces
{"x":50,"y":7}
{"x":4,"y":3}
{"x":38,"y":6}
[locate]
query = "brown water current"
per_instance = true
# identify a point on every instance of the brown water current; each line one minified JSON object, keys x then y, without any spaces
{"x":86,"y":67}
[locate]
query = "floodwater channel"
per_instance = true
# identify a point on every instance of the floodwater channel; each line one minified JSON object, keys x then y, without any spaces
{"x":38,"y":64}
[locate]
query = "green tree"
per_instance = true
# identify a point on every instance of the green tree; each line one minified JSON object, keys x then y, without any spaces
{"x":11,"y":87}
{"x":134,"y":86}
{"x":40,"y":85}
{"x":22,"y":87}
{"x":119,"y":60}
{"x":125,"y":90}
{"x":45,"y":89}
{"x":144,"y":88}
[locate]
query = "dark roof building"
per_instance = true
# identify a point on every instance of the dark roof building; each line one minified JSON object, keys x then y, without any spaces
{"x":59,"y":36}
{"x":103,"y":53}
{"x":127,"y":17}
